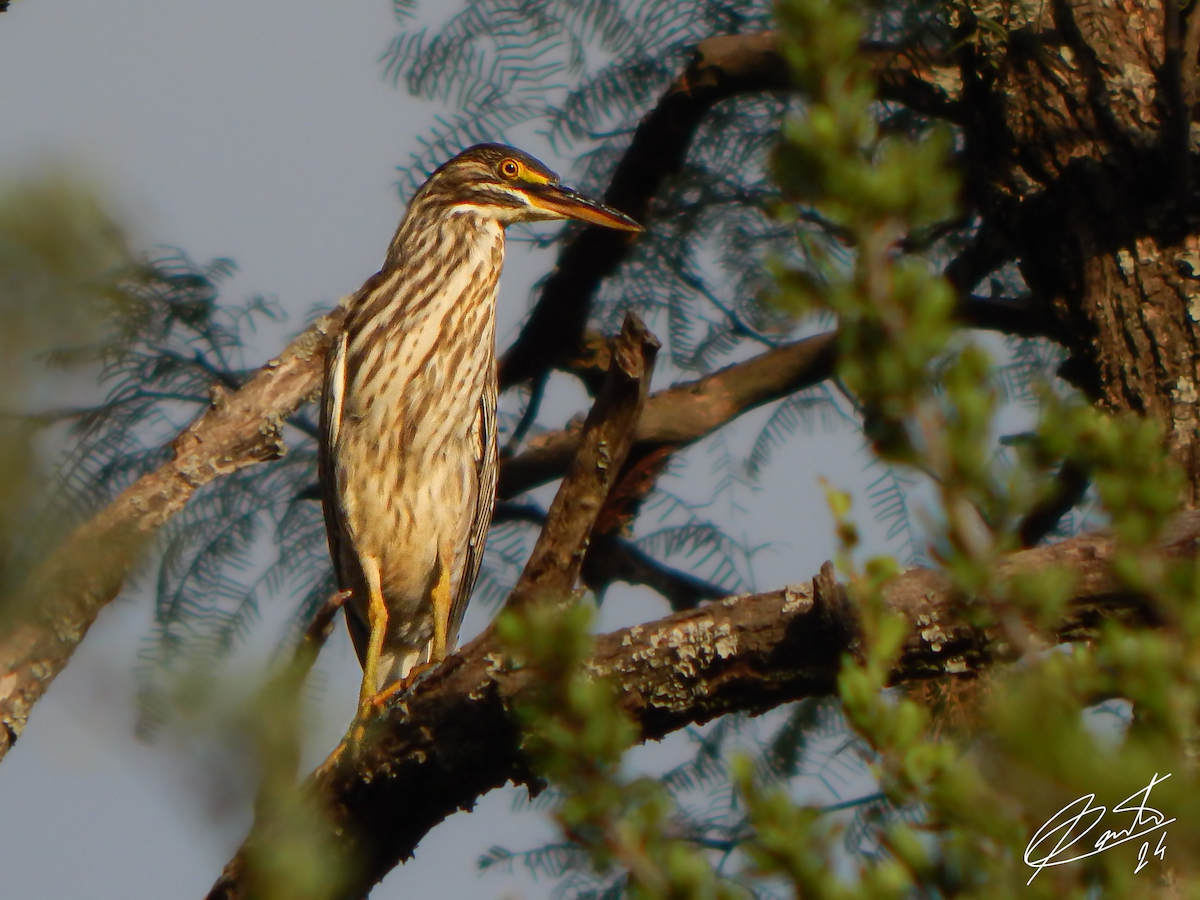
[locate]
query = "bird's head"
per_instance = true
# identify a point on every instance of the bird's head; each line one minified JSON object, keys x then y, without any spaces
{"x":503,"y":183}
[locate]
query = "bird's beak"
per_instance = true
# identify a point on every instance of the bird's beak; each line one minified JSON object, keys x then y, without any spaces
{"x":563,"y":201}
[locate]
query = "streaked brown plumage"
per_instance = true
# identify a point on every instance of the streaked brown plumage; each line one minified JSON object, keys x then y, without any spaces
{"x":408,"y":417}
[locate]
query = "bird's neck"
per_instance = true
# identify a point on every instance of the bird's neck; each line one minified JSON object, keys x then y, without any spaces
{"x":444,"y":236}
{"x":439,"y":272}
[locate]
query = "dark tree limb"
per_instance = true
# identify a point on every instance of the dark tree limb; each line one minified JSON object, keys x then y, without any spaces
{"x":1067,"y":491}
{"x":683,"y":414}
{"x":722,"y":67}
{"x":909,"y":75}
{"x":610,"y":559}
{"x":453,"y":740}
{"x":1016,"y":316}
{"x":988,"y":250}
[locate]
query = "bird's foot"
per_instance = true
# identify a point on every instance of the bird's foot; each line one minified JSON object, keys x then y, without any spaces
{"x":370,"y":708}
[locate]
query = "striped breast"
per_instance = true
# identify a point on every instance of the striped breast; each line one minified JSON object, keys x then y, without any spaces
{"x":420,"y":366}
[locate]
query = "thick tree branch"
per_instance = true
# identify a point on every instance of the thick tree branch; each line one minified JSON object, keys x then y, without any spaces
{"x":452,"y":740}
{"x":683,"y":414}
{"x":1017,"y":316}
{"x":912,"y":75}
{"x":1067,"y":491}
{"x":610,"y":559}
{"x":64,"y":596}
{"x":988,"y":250}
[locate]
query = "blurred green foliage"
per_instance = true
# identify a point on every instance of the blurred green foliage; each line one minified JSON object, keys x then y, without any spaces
{"x":64,"y":264}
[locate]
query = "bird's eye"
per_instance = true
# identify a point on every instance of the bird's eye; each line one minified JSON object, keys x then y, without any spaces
{"x":509,"y":168}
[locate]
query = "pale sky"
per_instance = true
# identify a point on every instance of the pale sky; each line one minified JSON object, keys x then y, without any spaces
{"x":265,"y":132}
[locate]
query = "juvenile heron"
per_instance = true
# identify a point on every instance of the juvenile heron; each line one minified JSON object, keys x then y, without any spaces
{"x":408,"y":415}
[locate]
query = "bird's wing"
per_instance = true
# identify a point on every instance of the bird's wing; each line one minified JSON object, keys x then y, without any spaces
{"x":486,"y":464}
{"x":331,"y":424}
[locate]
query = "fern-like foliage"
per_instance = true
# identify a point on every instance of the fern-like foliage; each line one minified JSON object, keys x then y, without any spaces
{"x":176,"y":342}
{"x":806,"y":745}
{"x":802,"y":412}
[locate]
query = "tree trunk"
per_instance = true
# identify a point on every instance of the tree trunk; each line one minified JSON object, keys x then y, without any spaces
{"x":1078,"y":131}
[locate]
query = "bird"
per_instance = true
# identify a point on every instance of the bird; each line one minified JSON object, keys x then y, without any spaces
{"x":407,"y":456}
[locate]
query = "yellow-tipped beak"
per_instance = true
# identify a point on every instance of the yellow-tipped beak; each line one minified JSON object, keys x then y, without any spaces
{"x":570,"y":205}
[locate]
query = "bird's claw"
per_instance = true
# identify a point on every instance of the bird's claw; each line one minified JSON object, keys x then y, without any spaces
{"x":370,"y":708}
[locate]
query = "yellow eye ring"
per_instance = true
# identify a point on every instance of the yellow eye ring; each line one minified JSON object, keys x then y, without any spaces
{"x":510,"y":168}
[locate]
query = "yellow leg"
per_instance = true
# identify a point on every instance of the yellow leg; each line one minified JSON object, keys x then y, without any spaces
{"x":442,"y":601}
{"x":377,"y":617}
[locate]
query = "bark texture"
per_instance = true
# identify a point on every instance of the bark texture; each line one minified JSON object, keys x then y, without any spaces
{"x":1079,"y":157}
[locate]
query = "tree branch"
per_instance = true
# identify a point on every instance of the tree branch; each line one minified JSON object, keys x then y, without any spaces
{"x":557,"y":557}
{"x":453,"y":739}
{"x":683,"y":414}
{"x":912,"y":75}
{"x":1018,"y":316}
{"x":988,"y":250}
{"x":63,"y":597}
{"x":610,"y":559}
{"x":1067,"y":491}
